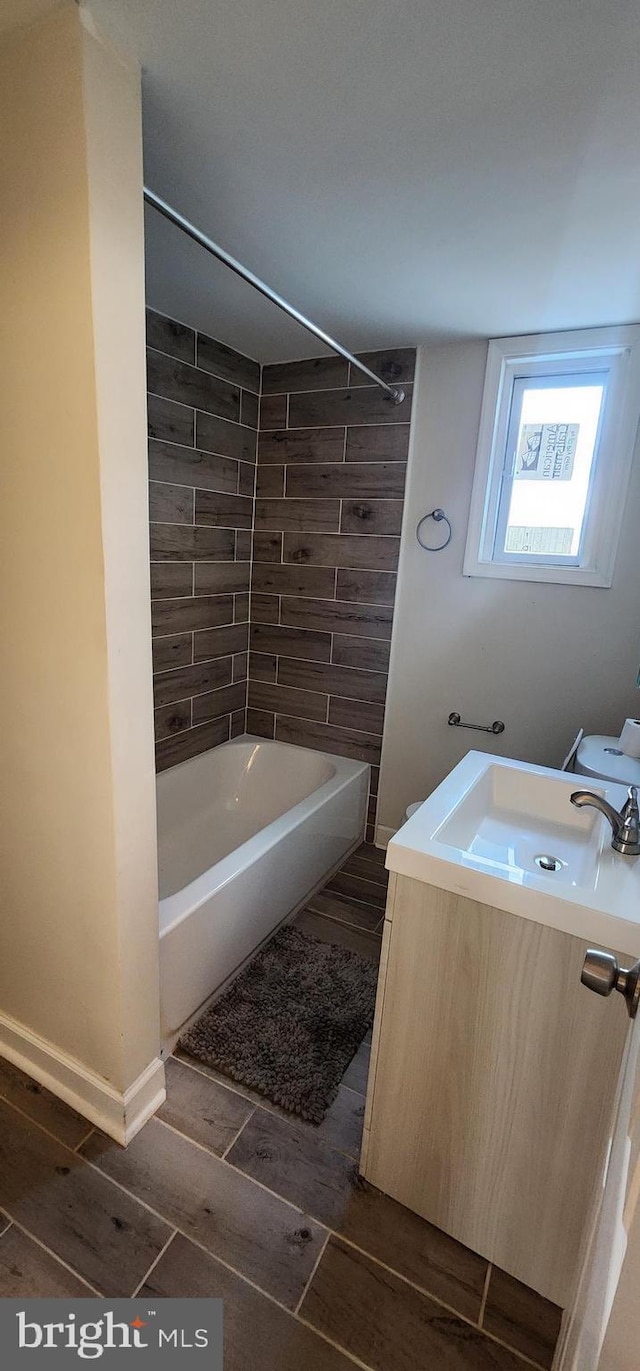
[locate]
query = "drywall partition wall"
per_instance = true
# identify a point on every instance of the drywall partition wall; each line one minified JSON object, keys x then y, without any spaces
{"x":547,"y":659}
{"x":78,"y":929}
{"x":329,"y":493}
{"x":203,"y":418}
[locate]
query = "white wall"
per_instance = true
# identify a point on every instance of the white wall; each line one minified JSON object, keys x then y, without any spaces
{"x":546,"y":659}
{"x":78,"y":926}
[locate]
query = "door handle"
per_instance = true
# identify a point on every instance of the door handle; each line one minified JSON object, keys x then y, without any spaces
{"x":602,"y":973}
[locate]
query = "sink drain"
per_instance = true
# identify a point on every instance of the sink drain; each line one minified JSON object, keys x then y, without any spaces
{"x":547,"y":863}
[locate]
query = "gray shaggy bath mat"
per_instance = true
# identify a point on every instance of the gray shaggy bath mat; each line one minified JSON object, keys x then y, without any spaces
{"x":290,"y":1023}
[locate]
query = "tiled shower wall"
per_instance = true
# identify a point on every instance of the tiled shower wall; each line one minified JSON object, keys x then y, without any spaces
{"x":203,"y":415}
{"x":332,"y":455}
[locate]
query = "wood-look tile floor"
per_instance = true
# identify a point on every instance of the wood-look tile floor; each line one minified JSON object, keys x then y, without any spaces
{"x":224,"y":1194}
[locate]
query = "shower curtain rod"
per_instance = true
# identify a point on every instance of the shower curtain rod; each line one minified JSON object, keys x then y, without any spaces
{"x":173,"y":215}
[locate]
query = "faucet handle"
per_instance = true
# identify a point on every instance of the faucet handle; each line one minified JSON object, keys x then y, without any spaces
{"x":630,"y":809}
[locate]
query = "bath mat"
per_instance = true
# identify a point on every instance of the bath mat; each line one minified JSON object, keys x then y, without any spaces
{"x":290,"y":1023}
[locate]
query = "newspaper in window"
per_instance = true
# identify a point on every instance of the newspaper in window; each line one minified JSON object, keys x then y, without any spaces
{"x":541,"y":542}
{"x":546,"y":452}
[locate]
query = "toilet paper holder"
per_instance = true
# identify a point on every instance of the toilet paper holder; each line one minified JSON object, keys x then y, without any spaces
{"x":456,"y":722}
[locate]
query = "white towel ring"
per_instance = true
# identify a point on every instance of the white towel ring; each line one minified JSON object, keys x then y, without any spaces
{"x":437,"y":515}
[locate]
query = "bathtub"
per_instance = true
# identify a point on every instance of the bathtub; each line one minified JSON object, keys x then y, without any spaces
{"x":246,"y":832}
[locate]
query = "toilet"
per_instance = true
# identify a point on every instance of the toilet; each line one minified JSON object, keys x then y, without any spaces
{"x":600,"y":757}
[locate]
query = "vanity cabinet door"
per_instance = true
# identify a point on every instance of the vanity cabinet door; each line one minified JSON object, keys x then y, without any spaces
{"x":492,"y":1082}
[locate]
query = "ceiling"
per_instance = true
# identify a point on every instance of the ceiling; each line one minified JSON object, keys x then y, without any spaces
{"x":401,"y":170}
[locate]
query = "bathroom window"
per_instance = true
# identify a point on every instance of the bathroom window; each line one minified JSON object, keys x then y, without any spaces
{"x":557,"y":431}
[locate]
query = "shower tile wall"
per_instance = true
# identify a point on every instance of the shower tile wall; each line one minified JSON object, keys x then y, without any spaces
{"x":203,"y":414}
{"x":332,"y":455}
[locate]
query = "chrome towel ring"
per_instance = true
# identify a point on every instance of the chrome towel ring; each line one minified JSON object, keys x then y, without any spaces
{"x":437,"y":515}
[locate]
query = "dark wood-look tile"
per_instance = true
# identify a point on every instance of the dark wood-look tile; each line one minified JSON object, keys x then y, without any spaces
{"x":338,"y":616}
{"x":388,"y":1324}
{"x":521,"y":1318}
{"x":273,"y":1244}
{"x":241,"y":609}
{"x":171,"y":579}
{"x":343,"y":550}
{"x":265,"y":609}
{"x":297,"y":642}
{"x":169,"y":422}
{"x":345,"y":911}
{"x":185,"y":543}
{"x":240,"y":666}
{"x":314,"y":373}
{"x":308,"y":581}
{"x":217,"y":578}
{"x":40,"y":1105}
{"x":332,"y":680}
{"x":273,"y":411}
{"x":189,"y":466}
{"x":316,"y":516}
{"x":224,"y":511}
{"x":374,"y":787}
{"x":393,"y":365}
{"x":187,"y":385}
{"x":260,"y":723}
{"x":227,"y":439}
{"x":378,"y":443}
{"x":369,"y":870}
{"x":329,"y":931}
{"x":184,"y":615}
{"x":348,"y":480}
{"x":202,"y":1109}
{"x":258,"y":1335}
{"x":295,"y":1164}
{"x":366,"y":653}
{"x":218,"y":702}
{"x":249,"y":409}
{"x":270,"y":482}
{"x":302,"y":445}
{"x":107,"y":1237}
{"x":369,"y":587}
{"x":191,"y":680}
{"x":304,"y":704}
{"x":362,"y":747}
{"x":367,"y":718}
{"x":238,"y":722}
{"x":27,"y":1272}
{"x":171,"y":719}
{"x":371,"y":516}
{"x":191,"y":743}
{"x":243,"y":545}
{"x":220,"y":642}
{"x":173,"y":651}
{"x":228,"y":364}
{"x":358,"y":405}
{"x":170,"y":504}
{"x":358,"y":888}
{"x":263,"y":666}
{"x":356,"y":1075}
{"x":267,"y":547}
{"x":368,"y":853}
{"x":246,"y":476}
{"x":167,"y":335}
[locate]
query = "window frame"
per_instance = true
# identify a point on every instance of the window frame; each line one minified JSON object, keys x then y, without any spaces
{"x":509,"y":360}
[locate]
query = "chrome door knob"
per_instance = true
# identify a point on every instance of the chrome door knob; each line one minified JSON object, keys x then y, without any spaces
{"x":602,"y":973}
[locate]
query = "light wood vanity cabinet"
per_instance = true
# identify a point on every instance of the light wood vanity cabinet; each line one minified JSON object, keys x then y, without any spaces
{"x":492,"y":1081}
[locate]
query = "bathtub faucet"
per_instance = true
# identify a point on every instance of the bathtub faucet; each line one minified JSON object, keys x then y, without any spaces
{"x":625,"y":824}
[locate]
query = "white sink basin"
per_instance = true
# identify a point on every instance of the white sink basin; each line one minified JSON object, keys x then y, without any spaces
{"x":505,"y":833}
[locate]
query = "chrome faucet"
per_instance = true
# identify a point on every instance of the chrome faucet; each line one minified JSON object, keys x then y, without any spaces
{"x":625,"y":825}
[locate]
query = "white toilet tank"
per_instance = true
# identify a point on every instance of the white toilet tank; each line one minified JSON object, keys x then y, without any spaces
{"x":600,"y":757}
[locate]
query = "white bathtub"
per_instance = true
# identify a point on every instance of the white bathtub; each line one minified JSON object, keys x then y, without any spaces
{"x":245,"y":833}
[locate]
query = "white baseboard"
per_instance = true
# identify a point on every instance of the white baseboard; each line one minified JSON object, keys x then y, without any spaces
{"x":120,"y":1114}
{"x":384,"y":835}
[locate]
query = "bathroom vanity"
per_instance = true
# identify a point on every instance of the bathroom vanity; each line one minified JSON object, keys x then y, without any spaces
{"x":494,"y":1071}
